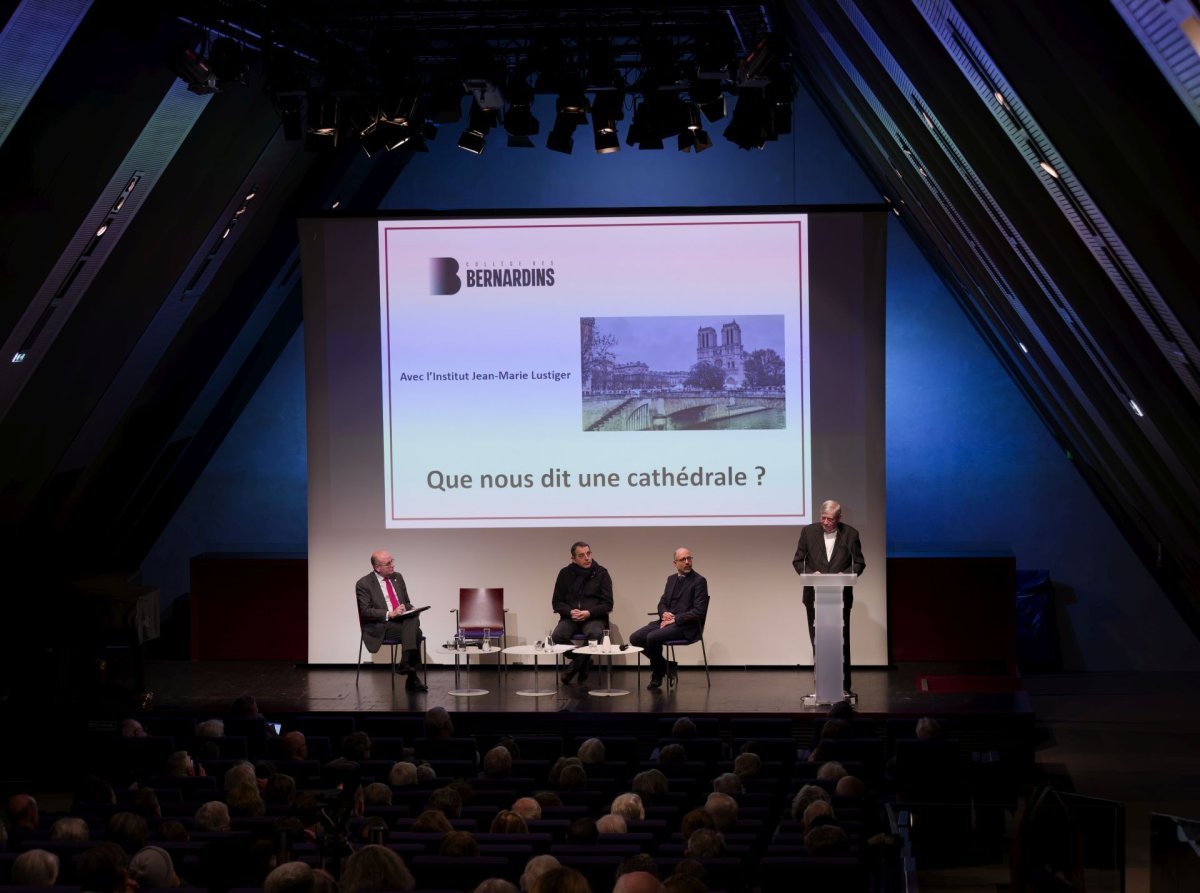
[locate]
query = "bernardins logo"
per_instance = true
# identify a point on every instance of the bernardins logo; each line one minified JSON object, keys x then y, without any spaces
{"x":444,"y":278}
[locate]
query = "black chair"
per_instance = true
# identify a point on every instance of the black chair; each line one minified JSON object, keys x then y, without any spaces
{"x":393,"y":644}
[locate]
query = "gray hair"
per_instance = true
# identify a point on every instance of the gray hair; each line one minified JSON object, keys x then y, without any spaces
{"x":35,"y":868}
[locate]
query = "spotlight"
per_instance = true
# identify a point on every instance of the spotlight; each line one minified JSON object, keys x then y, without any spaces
{"x":748,"y":129}
{"x":607,"y":142}
{"x":323,"y":112}
{"x":474,"y":138}
{"x":189,"y":63}
{"x":518,"y":118}
{"x":708,"y":95}
{"x":754,"y":69}
{"x":372,"y":139}
{"x":560,"y":139}
{"x":607,"y":109}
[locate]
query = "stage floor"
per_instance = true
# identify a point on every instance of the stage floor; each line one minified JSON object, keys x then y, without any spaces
{"x":279,"y":687}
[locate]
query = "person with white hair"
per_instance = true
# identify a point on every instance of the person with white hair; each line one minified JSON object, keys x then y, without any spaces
{"x":535,"y":868}
{"x":212,"y":816}
{"x":35,"y":868}
{"x":830,"y":547}
{"x":152,"y":868}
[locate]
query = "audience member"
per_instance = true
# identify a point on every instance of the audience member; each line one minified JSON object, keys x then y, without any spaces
{"x":131,"y":728}
{"x":527,"y":808}
{"x":561,"y":880}
{"x":245,"y":800}
{"x":684,"y":883}
{"x":806,"y":795}
{"x":438,"y":723}
{"x":827,"y":840}
{"x":851,"y":786}
{"x":591,"y":752}
{"x":280,"y":790}
{"x":509,"y":822}
{"x":210,"y":728}
{"x":293,"y":746}
{"x":153,"y":869}
{"x":145,"y":803}
{"x":705,"y":843}
{"x":819,"y":812}
{"x":290,"y":877}
{"x":172,"y":831}
{"x":241,"y":772}
{"x":496,"y":885}
{"x":128,"y":830}
{"x":431,"y":821}
{"x":375,"y":868}
{"x":547,"y":799}
{"x":723,"y":809}
{"x":69,"y":828}
{"x":747,"y":765}
{"x":459,"y":843}
{"x":638,"y":882}
{"x":445,"y":800}
{"x":582,"y":830}
{"x":629,"y":806}
{"x":684,"y":727}
{"x":103,"y":868}
{"x":324,"y":882}
{"x":212,"y":816}
{"x":831,"y":771}
{"x":23,"y":813}
{"x":425,"y":773}
{"x":535,"y":868}
{"x":402,"y":775}
{"x":377,"y":794}
{"x":693,"y":819}
{"x":611,"y":824}
{"x":497,"y":763}
{"x":572,"y":778}
{"x":34,"y":868}
{"x":650,"y":785}
{"x":728,"y":783}
{"x":356,"y":747}
{"x":638,"y":862}
{"x":928,"y":729}
{"x":673,"y":753}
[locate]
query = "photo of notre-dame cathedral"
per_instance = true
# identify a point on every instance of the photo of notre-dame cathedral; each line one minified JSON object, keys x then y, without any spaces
{"x":727,"y":356}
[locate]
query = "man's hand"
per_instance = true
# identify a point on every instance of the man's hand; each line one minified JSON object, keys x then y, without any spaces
{"x":667,"y":619}
{"x":579,"y":614}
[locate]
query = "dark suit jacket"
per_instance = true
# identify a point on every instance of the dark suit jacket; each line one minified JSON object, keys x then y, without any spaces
{"x":373,"y":607}
{"x":847,"y":556}
{"x":686,"y":598}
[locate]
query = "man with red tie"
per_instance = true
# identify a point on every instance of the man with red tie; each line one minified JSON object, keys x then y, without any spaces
{"x":382,"y":605}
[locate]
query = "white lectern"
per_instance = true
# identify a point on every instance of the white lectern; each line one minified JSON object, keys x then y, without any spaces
{"x":827,"y":647}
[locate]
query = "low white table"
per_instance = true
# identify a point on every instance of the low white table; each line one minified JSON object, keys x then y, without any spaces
{"x":610,"y":652}
{"x":457,"y":691}
{"x":538,"y":651}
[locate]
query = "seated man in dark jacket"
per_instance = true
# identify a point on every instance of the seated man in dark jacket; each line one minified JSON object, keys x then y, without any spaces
{"x":583,"y":599}
{"x":681,"y":612}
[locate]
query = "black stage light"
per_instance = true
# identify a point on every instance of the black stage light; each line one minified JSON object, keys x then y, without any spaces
{"x":749,"y":127}
{"x":474,"y":138}
{"x":607,"y":142}
{"x":561,"y":139}
{"x":323,"y":126}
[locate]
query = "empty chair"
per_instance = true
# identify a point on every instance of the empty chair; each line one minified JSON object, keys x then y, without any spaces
{"x":480,"y":617}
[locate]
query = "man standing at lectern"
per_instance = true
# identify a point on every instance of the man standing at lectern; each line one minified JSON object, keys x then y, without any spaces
{"x":830,"y":547}
{"x":382,"y":604}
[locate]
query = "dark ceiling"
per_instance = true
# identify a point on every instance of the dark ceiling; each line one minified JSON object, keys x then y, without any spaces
{"x":1042,"y":154}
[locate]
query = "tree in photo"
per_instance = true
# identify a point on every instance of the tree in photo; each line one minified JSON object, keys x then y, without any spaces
{"x":764,"y":369}
{"x":705,"y":377}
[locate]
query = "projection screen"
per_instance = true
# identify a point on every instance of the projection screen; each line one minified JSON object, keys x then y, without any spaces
{"x":485,"y":390}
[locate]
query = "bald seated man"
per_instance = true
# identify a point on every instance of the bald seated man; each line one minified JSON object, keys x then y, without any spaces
{"x":638,"y":882}
{"x":382,"y":607}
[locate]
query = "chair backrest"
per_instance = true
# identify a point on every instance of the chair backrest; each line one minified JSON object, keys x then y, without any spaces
{"x":480,"y":609}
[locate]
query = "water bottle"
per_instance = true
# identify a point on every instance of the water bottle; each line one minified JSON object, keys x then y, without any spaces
{"x":607,"y":642}
{"x":487,"y":640}
{"x":459,"y":643}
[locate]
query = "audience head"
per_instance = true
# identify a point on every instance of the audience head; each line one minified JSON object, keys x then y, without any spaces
{"x":211,"y":728}
{"x":638,"y":882}
{"x":509,"y":822}
{"x":280,"y":790}
{"x":462,"y":787}
{"x":684,"y":883}
{"x":128,"y":830}
{"x":498,"y":763}
{"x":693,"y":819}
{"x":459,"y":843}
{"x":374,"y":868}
{"x":672,"y":753}
{"x":153,"y":868}
{"x":103,"y":868}
{"x":728,"y":783}
{"x":561,"y":880}
{"x":212,"y":816}
{"x":819,"y":812}
{"x":826,"y":840}
{"x":244,"y":707}
{"x":747,"y":765}
{"x":145,"y":803}
{"x":35,"y":868}
{"x":723,"y":809}
{"x":582,"y":830}
{"x":241,"y":772}
{"x":841,"y":710}
{"x":402,"y":775}
{"x":23,"y":812}
{"x":928,"y":729}
{"x":93,"y":789}
{"x":705,"y":843}
{"x":432,"y":821}
{"x":377,"y":794}
{"x":591,"y":751}
{"x":683,"y":728}
{"x":496,"y":885}
{"x":293,"y":746}
{"x":372,"y":824}
{"x":806,"y":795}
{"x":438,"y":723}
{"x":831,"y":771}
{"x":851,"y":786}
{"x":172,"y":831}
{"x":425,"y":772}
{"x":560,"y":764}
{"x":131,"y":728}
{"x":547,"y":799}
{"x":642,"y":862}
{"x":650,"y":785}
{"x":629,"y":806}
{"x":611,"y":824}
{"x":324,"y":882}
{"x":290,"y":877}
{"x":689,"y":868}
{"x":833,"y":729}
{"x":446,"y":800}
{"x":527,"y":808}
{"x":535,"y":868}
{"x":69,"y":828}
{"x":245,"y":800}
{"x":572,"y":778}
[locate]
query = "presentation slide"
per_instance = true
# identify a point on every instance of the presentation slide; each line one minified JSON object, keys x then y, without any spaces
{"x":486,"y":388}
{"x":552,"y":372}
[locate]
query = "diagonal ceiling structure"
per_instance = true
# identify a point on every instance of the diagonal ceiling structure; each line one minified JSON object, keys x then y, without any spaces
{"x":1042,"y":154}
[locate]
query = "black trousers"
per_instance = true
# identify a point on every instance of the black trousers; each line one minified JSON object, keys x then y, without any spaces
{"x":810,"y":609}
{"x":591,"y":629}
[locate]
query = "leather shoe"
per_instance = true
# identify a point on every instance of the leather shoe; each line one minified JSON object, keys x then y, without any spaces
{"x":415,"y":684}
{"x":655,"y":683}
